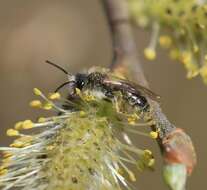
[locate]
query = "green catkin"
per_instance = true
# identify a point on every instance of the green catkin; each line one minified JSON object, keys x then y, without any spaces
{"x":182,"y":28}
{"x":76,"y":150}
{"x":86,"y":142}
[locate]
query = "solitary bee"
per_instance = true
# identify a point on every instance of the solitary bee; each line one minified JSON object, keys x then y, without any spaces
{"x":108,"y":85}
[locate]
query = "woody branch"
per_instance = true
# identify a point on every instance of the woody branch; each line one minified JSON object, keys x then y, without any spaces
{"x":127,"y":62}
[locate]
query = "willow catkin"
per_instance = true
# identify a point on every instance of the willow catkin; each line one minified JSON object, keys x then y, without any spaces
{"x":76,"y":150}
{"x":179,"y":26}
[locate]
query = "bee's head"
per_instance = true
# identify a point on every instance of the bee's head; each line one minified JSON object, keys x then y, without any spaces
{"x":74,"y":81}
{"x":81,"y":80}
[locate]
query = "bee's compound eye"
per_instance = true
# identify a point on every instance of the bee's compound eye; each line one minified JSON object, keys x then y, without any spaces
{"x":80,"y":84}
{"x":81,"y":80}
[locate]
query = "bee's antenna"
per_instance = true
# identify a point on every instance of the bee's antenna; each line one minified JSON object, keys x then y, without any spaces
{"x":57,"y":66}
{"x":62,"y":85}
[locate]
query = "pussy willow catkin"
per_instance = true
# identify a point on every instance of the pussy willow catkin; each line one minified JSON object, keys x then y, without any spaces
{"x":81,"y":148}
{"x":179,"y":26}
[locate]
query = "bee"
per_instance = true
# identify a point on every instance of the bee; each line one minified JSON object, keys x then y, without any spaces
{"x":108,"y":84}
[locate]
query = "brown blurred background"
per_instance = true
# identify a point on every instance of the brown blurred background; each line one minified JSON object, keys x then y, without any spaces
{"x":74,"y":33}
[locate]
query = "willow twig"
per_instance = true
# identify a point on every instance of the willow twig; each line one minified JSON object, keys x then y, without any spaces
{"x":127,"y":61}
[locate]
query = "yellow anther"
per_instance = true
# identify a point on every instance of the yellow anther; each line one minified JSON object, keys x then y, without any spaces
{"x":3,"y":172}
{"x":78,"y":91}
{"x":202,"y":26}
{"x":148,"y":159}
{"x":36,"y":104}
{"x":192,"y":74}
{"x":25,"y":139}
{"x":195,"y":48}
{"x":165,"y":41}
{"x":151,"y":162}
{"x":154,"y":134}
{"x":41,"y":120}
{"x":174,"y":54}
{"x":192,"y":69}
{"x":147,"y":152}
{"x":18,"y":125}
{"x":203,"y":70}
{"x":89,"y":98}
{"x":150,"y":53}
{"x":50,"y":147}
{"x":205,"y":57}
{"x":12,"y":132}
{"x":6,"y":161}
{"x":27,"y":124}
{"x":204,"y":7}
{"x":131,"y":175}
{"x":203,"y":73}
{"x":186,"y":57}
{"x":2,"y":167}
{"x":54,"y":96}
{"x":47,"y":106}
{"x":191,"y":66}
{"x":37,"y":91}
{"x":7,"y":154}
{"x":120,"y":171}
{"x":132,"y":119}
{"x":82,"y":113}
{"x":21,"y":142}
{"x":17,"y":144}
{"x":131,"y":122}
{"x":142,"y":21}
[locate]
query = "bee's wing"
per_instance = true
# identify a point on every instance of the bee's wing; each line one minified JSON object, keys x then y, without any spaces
{"x":146,"y":92}
{"x":133,"y":87}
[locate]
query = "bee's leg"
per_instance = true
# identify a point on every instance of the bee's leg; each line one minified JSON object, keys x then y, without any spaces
{"x":116,"y":105}
{"x":144,"y":111}
{"x":72,"y":91}
{"x":109,"y":94}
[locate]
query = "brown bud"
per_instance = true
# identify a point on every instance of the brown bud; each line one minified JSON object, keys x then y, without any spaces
{"x":178,"y":148}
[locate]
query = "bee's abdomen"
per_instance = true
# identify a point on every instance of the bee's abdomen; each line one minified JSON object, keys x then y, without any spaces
{"x":137,"y":100}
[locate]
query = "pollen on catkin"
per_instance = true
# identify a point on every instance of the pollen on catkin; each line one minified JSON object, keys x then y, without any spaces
{"x":54,"y":96}
{"x":179,"y":26}
{"x":76,"y":148}
{"x":37,"y":91}
{"x":154,"y":134}
{"x":41,"y":120}
{"x":35,"y":104}
{"x":150,"y":53}
{"x":12,"y":132}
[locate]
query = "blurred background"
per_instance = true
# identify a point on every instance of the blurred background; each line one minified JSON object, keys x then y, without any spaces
{"x":75,"y":34}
